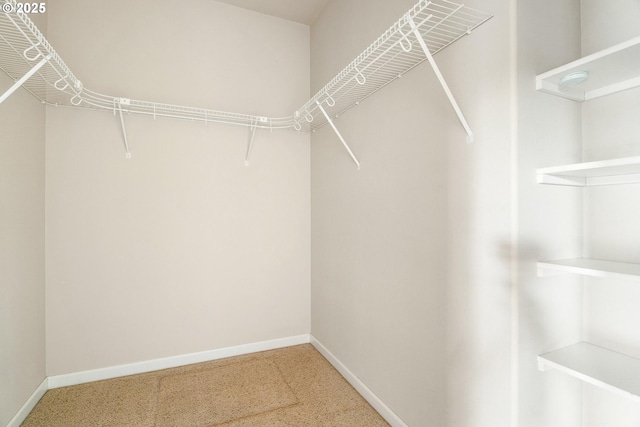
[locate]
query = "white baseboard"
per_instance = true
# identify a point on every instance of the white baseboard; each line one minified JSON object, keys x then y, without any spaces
{"x":28,"y":406}
{"x":205,"y":356}
{"x":365,"y":391}
{"x":172,"y":362}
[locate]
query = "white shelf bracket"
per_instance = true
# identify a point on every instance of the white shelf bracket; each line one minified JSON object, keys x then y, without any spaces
{"x":443,"y":83}
{"x":250,"y":146}
{"x":124,"y":101}
{"x":335,"y":129}
{"x":24,"y":78}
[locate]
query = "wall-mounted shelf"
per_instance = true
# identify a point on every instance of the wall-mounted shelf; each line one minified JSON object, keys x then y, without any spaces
{"x":23,"y":46}
{"x":389,"y":57}
{"x":427,"y":28}
{"x":393,"y":54}
{"x":610,"y":71}
{"x":604,"y":368}
{"x":590,"y":267}
{"x":605,"y":172}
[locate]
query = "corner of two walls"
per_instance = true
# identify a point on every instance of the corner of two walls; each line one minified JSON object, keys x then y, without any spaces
{"x":22,"y":276}
{"x":410,"y":255}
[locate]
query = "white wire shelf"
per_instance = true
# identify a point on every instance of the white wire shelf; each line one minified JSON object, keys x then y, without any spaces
{"x":394,"y":53}
{"x":595,"y":365}
{"x":22,"y":46}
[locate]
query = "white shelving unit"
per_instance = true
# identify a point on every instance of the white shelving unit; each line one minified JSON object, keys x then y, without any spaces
{"x":603,"y":73}
{"x":426,"y":29}
{"x":595,"y":365}
{"x":604,"y":172}
{"x":610,"y":71}
{"x":590,"y":267}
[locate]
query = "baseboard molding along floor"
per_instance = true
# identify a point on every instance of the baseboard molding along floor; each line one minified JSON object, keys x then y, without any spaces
{"x":28,"y":406}
{"x":172,"y":362}
{"x":364,"y":391}
{"x":76,"y":378}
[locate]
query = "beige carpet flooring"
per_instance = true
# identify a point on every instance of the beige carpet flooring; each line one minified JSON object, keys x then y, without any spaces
{"x":294,"y":386}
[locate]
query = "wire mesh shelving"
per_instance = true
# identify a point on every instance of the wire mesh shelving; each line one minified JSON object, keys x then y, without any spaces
{"x":427,"y":28}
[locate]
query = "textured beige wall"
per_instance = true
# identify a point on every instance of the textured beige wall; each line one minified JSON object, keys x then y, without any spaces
{"x":22,"y":324}
{"x":410,"y":255}
{"x":181,"y":248}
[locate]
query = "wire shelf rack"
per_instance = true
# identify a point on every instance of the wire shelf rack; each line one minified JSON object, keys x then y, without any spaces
{"x":22,"y":47}
{"x":26,"y":55}
{"x":392,"y":55}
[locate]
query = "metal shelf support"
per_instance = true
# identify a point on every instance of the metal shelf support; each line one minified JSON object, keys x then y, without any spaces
{"x":335,"y":129}
{"x":250,"y":146}
{"x":24,"y":78}
{"x":441,"y":79}
{"x":124,"y":130}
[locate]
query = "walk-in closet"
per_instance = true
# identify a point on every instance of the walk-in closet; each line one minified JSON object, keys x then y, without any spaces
{"x":351,"y":213}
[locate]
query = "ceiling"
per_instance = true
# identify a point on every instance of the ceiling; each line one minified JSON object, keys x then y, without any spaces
{"x":302,"y":11}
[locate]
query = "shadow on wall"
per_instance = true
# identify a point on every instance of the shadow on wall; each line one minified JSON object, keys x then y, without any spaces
{"x":546,"y":315}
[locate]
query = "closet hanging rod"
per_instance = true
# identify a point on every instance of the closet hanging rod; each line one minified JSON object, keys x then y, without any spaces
{"x":440,"y":23}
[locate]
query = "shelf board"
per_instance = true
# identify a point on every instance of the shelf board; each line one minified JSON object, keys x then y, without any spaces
{"x":590,"y":267}
{"x":595,"y":365}
{"x":610,"y":71}
{"x":605,"y":172}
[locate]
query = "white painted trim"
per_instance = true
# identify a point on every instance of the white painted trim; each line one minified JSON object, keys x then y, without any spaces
{"x":28,"y":406}
{"x":365,"y":391}
{"x":172,"y":362}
